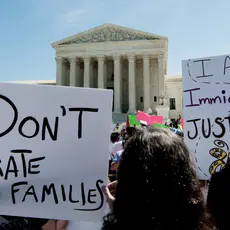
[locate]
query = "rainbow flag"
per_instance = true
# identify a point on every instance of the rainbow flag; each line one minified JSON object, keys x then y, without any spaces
{"x":180,"y":127}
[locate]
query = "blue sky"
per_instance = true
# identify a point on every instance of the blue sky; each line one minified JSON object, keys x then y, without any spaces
{"x":195,"y":28}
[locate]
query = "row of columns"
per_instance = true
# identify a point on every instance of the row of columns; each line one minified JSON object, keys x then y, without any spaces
{"x":75,"y":69}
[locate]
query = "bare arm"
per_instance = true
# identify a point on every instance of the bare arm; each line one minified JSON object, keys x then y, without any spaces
{"x":114,"y":166}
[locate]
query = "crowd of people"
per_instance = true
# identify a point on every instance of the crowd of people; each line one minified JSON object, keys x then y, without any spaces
{"x":153,"y":186}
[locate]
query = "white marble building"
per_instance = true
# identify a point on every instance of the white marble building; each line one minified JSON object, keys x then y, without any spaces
{"x":173,"y":87}
{"x":132,"y":63}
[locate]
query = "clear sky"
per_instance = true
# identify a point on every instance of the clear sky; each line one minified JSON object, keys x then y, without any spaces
{"x":195,"y":28}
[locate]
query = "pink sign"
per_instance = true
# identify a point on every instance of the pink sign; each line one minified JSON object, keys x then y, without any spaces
{"x":156,"y":120}
{"x":141,"y":116}
{"x":149,"y":119}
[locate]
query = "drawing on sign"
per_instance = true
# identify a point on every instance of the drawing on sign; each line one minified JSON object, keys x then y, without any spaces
{"x":221,"y":155}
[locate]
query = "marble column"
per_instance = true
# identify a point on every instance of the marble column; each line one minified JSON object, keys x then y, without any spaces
{"x":132,"y":84}
{"x":105,"y":73}
{"x":161,"y":79}
{"x":87,"y":72}
{"x":146,"y":81}
{"x":117,"y":83}
{"x":77,"y":83}
{"x":60,"y":71}
{"x":74,"y":71}
{"x":101,"y":72}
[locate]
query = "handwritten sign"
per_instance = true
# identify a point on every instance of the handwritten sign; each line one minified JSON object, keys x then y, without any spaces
{"x":206,"y":100}
{"x":54,"y":156}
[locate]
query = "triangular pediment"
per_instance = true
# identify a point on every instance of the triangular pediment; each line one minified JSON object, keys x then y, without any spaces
{"x":107,"y":33}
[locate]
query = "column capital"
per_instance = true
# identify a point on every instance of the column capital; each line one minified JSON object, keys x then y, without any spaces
{"x":87,"y":58}
{"x":116,"y":57}
{"x":146,"y":57}
{"x":131,"y":57}
{"x":160,"y":57}
{"x":59,"y":59}
{"x":101,"y":58}
{"x":73,"y":59}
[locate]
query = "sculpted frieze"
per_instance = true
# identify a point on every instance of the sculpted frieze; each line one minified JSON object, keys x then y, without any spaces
{"x":109,"y":34}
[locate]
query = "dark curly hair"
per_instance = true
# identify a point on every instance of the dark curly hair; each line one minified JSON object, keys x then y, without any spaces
{"x":157,"y":186}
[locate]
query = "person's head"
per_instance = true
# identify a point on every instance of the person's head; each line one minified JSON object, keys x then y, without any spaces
{"x":114,"y":137}
{"x":129,"y":133}
{"x":157,"y":185}
{"x":130,"y":130}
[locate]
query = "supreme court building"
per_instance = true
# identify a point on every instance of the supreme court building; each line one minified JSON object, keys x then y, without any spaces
{"x":130,"y":62}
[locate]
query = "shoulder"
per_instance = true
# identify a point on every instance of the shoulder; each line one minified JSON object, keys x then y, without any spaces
{"x":118,"y":143}
{"x":119,"y":152}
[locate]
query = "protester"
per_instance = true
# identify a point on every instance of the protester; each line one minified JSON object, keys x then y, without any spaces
{"x":115,"y":146}
{"x":116,"y":160}
{"x":218,"y":201}
{"x":117,"y":156}
{"x":157,"y":186}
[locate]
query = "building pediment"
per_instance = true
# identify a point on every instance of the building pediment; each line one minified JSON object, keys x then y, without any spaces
{"x":108,"y":33}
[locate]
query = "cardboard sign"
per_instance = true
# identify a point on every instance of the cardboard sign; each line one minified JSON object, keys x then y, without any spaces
{"x":54,"y":151}
{"x":156,"y":120}
{"x":141,"y":116}
{"x":206,"y":99}
{"x":132,"y":120}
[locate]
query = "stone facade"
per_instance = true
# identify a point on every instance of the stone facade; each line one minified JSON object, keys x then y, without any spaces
{"x":130,"y":62}
{"x":109,"y":34}
{"x":173,"y":90}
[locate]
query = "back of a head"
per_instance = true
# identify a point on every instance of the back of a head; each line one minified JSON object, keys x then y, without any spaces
{"x":130,"y":130}
{"x":114,"y":137}
{"x":157,"y":184}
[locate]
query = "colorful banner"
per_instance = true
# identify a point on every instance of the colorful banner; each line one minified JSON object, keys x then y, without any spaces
{"x":156,"y":120}
{"x":141,"y":116}
{"x":160,"y":126}
{"x":133,"y":120}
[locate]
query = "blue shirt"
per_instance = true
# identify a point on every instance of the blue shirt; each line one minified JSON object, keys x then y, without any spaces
{"x":117,"y":156}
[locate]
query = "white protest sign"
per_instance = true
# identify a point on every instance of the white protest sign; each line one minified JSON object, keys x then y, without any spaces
{"x":206,"y":110}
{"x":54,"y":151}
